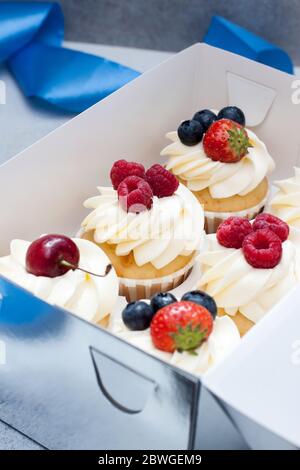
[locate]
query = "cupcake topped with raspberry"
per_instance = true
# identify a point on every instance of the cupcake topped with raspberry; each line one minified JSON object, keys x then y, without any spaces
{"x":249,"y":267}
{"x":224,"y":164}
{"x":286,"y":201}
{"x":150,"y":226}
{"x":186,"y":332}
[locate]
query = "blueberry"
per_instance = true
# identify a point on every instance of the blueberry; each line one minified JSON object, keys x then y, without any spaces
{"x":233,"y":113}
{"x":206,"y":117}
{"x":190,"y":132}
{"x":201,"y":298}
{"x":162,"y":299}
{"x":137,"y":315}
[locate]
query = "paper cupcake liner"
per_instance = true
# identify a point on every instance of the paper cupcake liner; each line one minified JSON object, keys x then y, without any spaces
{"x":214,"y":219}
{"x":136,"y":289}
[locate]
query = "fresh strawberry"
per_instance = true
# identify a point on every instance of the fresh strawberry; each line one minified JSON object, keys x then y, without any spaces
{"x":226,"y":141}
{"x":181,"y":326}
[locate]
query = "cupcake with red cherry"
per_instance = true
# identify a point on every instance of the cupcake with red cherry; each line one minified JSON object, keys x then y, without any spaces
{"x":71,"y":273}
{"x":248,"y":267}
{"x":186,"y":332}
{"x":224,"y":164}
{"x":150,"y":226}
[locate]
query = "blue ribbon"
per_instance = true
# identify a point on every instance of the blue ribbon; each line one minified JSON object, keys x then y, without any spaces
{"x":233,"y":38}
{"x":31,"y":35}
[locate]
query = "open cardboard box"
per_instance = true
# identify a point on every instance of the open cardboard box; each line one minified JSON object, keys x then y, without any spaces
{"x":70,"y":384}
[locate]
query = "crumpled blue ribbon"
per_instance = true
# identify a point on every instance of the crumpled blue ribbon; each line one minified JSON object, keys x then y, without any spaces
{"x":31,"y":35}
{"x":233,"y":38}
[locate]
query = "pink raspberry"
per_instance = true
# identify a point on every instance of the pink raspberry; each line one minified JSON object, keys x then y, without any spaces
{"x":135,"y":194}
{"x":162,"y":181}
{"x":232,"y":231}
{"x":273,"y":223}
{"x":262,"y":249}
{"x":121,"y":169}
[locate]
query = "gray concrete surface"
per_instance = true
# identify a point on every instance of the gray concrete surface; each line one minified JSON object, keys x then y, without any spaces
{"x":175,"y":24}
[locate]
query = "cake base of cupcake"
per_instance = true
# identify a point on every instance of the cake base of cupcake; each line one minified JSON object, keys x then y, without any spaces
{"x":218,"y":210}
{"x":243,"y":324}
{"x":214,"y":219}
{"x":142,"y":282}
{"x":146,"y":288}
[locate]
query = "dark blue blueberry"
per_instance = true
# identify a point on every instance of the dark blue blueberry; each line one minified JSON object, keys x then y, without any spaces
{"x":162,"y":299}
{"x":190,"y":132}
{"x":206,"y":117}
{"x":233,"y":113}
{"x":202,"y":298}
{"x":137,"y":315}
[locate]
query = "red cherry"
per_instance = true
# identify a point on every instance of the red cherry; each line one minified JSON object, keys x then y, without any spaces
{"x":52,"y":256}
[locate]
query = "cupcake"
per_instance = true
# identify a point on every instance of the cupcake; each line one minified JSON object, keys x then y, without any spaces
{"x":286,"y":201}
{"x":248,"y":267}
{"x":71,"y":273}
{"x":184,"y":333}
{"x":222,"y":163}
{"x":150,"y":227}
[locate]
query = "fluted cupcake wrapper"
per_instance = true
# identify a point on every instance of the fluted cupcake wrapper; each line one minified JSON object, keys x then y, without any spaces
{"x":214,"y":219}
{"x":136,"y":289}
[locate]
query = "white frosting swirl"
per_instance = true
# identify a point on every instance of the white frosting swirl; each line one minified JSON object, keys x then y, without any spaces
{"x":223,"y":339}
{"x":286,"y":202}
{"x":173,"y":226}
{"x":89,"y":297}
{"x":237,"y":286}
{"x":223,"y":180}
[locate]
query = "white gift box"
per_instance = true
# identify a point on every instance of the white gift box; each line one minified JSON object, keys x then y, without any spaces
{"x":69,"y":384}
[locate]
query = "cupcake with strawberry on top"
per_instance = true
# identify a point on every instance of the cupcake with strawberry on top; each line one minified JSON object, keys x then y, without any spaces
{"x":186,"y":332}
{"x":248,"y":267}
{"x":150,"y":226}
{"x":224,"y":164}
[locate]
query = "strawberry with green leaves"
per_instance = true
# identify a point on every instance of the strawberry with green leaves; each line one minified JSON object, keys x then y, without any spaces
{"x":181,"y":326}
{"x":226,"y":141}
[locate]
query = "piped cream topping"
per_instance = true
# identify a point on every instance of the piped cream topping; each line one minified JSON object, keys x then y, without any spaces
{"x":286,"y":202}
{"x":173,"y":226}
{"x":223,"y":180}
{"x":88,"y":296}
{"x":237,"y":286}
{"x":223,"y":339}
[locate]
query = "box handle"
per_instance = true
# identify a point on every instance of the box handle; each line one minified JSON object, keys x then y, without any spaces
{"x":126,"y":389}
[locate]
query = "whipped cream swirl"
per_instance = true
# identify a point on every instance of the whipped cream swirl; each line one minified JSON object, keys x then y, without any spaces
{"x":89,"y":297}
{"x":237,"y":286}
{"x":223,"y":180}
{"x":286,"y":202}
{"x":223,"y":339}
{"x":173,"y":226}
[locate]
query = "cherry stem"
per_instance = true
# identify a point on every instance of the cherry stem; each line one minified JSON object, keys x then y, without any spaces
{"x":72,"y":266}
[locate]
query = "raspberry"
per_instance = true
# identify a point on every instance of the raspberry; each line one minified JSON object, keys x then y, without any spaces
{"x":273,"y":223}
{"x":232,"y":231}
{"x":121,"y":169}
{"x":262,"y":249}
{"x":162,"y":182}
{"x":135,"y":194}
